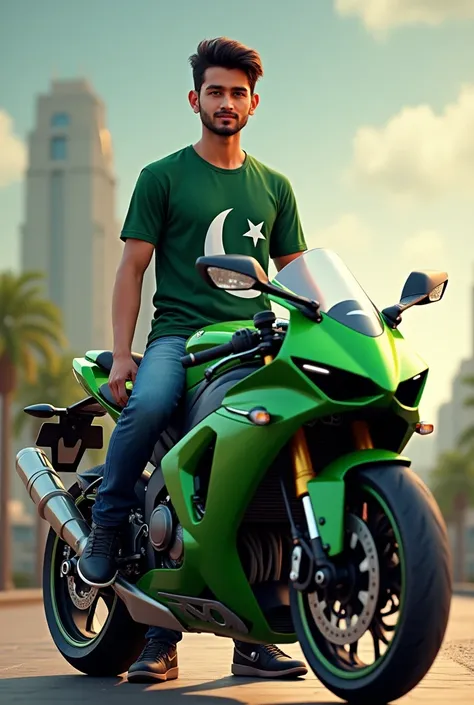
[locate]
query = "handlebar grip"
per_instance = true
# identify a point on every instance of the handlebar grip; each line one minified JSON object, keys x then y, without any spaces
{"x":208,"y":355}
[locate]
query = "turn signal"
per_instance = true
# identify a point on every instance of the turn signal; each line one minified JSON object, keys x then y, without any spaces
{"x":260,"y":417}
{"x":424,"y":429}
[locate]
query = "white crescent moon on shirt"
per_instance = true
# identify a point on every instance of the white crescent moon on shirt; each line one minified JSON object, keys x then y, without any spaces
{"x":214,"y":245}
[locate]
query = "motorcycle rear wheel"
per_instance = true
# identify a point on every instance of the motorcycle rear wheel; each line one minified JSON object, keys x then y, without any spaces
{"x":72,"y":611}
{"x":398,"y":554}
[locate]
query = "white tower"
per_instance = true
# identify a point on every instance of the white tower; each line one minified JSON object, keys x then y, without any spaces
{"x":70,"y":229}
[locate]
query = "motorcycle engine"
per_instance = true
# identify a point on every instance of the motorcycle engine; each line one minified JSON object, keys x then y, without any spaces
{"x":165,"y":534}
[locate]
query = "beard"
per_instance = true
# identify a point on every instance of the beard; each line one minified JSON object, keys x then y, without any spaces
{"x":224,"y":130}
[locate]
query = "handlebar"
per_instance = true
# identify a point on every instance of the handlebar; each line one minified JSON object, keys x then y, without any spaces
{"x":242,"y":340}
{"x":208,"y":355}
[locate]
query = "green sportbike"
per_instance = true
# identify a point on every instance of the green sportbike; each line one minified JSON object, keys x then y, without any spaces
{"x":277,"y":507}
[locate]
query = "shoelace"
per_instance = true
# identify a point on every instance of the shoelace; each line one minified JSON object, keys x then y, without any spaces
{"x":273,"y":650}
{"x":103,"y":542}
{"x":154,"y":651}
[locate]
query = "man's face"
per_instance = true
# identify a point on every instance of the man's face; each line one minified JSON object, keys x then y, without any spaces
{"x":225,"y":101}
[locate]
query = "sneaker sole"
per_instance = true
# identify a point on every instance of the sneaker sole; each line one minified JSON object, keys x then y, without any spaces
{"x":95,"y":585}
{"x":250,"y":671}
{"x":147,"y":677}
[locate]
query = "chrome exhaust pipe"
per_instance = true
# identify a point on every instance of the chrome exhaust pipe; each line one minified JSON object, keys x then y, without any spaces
{"x":53,"y":501}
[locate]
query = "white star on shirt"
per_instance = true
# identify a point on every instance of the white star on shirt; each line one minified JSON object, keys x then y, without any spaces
{"x":255,"y":232}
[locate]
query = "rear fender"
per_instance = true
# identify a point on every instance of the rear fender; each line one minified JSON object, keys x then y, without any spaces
{"x":327,"y":491}
{"x":91,"y":377}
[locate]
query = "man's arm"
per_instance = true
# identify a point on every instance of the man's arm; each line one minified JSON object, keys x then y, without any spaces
{"x":141,"y":233}
{"x":287,"y":241}
{"x":126,"y":299}
{"x":125,"y":309}
{"x":281,"y":262}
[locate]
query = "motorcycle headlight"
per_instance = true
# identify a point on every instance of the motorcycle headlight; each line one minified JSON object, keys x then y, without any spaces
{"x":409,"y":391}
{"x":337,"y":384}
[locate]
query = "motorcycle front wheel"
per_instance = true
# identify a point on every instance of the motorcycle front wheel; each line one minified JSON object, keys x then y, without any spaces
{"x":91,"y":628}
{"x":372,"y":639}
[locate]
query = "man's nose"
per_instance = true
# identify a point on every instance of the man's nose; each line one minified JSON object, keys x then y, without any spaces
{"x":226,"y":102}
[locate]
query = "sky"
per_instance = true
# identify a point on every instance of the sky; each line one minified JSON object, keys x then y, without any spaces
{"x":366,"y":106}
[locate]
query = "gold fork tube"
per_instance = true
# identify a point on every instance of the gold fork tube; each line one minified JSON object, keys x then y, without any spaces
{"x":301,"y":458}
{"x":302,"y":464}
{"x":361,"y":434}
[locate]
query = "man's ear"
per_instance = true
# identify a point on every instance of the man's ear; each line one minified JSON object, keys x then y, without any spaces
{"x":254,"y":103}
{"x":193,"y":98}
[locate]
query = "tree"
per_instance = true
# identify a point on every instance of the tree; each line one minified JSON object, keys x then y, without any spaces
{"x":54,"y":385}
{"x":30,"y":332}
{"x":453,"y":487}
{"x":57,"y":386}
{"x":466,"y":438}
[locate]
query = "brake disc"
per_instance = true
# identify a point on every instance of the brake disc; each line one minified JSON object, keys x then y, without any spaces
{"x":327,"y":619}
{"x":81,"y":597}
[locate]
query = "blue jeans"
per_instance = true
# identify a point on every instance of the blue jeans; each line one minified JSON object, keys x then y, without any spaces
{"x":158,"y":387}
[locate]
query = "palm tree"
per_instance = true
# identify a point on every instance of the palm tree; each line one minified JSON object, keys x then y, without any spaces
{"x":453,"y":487}
{"x":30,"y":331}
{"x":54,"y":385}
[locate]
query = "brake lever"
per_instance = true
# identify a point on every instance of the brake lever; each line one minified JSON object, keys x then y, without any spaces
{"x":247,"y":355}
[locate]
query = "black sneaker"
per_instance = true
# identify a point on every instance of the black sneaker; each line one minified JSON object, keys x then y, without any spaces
{"x":97,"y":566}
{"x":265,"y":661}
{"x":157,"y":662}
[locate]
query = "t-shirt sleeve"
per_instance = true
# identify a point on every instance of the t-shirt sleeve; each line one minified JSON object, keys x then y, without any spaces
{"x":287,"y":233}
{"x":146,"y":213}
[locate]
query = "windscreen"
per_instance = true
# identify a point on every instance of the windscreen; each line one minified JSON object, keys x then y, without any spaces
{"x":322,"y":276}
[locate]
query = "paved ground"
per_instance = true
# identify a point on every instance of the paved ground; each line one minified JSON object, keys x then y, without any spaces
{"x":32,"y":671}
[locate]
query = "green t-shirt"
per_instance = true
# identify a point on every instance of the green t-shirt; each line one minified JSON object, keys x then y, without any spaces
{"x":187,"y":208}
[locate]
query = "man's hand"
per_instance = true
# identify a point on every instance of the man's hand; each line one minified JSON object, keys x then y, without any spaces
{"x":123,"y":370}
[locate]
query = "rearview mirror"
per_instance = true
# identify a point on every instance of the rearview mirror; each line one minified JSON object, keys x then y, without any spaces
{"x":232,"y":272}
{"x":239,"y":273}
{"x":421,"y":288}
{"x":227,"y":279}
{"x":424,"y":287}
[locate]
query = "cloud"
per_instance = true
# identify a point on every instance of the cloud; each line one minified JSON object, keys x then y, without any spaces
{"x":418,"y":153}
{"x":379,"y":259}
{"x":424,"y":250}
{"x":379,"y":16}
{"x":351,"y":235}
{"x":348,"y":232}
{"x":12,"y":150}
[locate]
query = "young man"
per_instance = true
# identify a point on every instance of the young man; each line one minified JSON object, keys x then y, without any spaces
{"x":208,"y":198}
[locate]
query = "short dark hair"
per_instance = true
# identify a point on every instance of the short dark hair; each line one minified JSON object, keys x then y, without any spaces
{"x":226,"y":53}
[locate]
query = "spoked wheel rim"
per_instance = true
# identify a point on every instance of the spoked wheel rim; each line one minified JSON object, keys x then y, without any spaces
{"x":81,"y":611}
{"x":352,"y":628}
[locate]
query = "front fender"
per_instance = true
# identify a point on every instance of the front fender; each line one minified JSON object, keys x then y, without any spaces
{"x":327,"y":491}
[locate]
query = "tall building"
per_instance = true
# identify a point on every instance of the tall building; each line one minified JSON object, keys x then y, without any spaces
{"x":70,"y":230}
{"x":71,"y":233}
{"x":454,"y":416}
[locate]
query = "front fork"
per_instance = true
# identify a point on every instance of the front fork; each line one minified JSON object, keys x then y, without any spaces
{"x":324,"y":570}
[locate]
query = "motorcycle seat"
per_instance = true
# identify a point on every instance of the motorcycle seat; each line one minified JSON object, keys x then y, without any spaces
{"x":105,"y":359}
